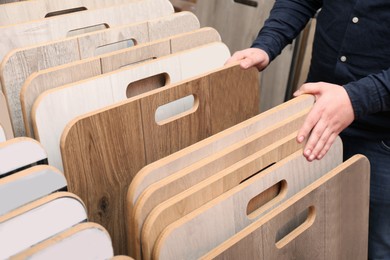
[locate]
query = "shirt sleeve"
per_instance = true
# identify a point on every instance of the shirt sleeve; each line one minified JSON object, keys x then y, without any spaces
{"x":370,"y":94}
{"x":286,"y":21}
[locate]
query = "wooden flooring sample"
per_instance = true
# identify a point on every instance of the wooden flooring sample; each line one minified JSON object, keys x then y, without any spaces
{"x":55,"y":108}
{"x":208,"y":168}
{"x":19,"y":153}
{"x":28,"y":185}
{"x":5,"y":120}
{"x":111,"y":144}
{"x":180,"y":205}
{"x":47,"y":79}
{"x":208,"y":226}
{"x":335,"y":226}
{"x":38,"y":221}
{"x":25,"y":11}
{"x":202,"y":150}
{"x":21,"y":63}
{"x":86,"y":241}
{"x":59,"y":27}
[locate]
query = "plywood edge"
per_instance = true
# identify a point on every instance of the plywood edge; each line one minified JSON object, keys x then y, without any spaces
{"x":39,"y":202}
{"x":61,"y":236}
{"x":32,"y":170}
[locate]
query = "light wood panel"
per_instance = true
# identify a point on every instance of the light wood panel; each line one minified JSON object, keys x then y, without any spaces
{"x":206,"y":182}
{"x":86,"y":241}
{"x":110,"y":143}
{"x":25,"y":11}
{"x":336,"y":229}
{"x":55,"y":108}
{"x":5,"y":120}
{"x":18,"y":153}
{"x":47,"y":79}
{"x":38,"y":221}
{"x":239,"y":33}
{"x":226,"y":215}
{"x":22,"y":62}
{"x":205,"y":148}
{"x":28,"y":185}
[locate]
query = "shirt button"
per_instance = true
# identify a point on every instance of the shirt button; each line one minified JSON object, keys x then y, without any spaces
{"x":343,"y":58}
{"x":355,"y":20}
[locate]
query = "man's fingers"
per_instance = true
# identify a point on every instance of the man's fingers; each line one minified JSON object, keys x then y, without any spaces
{"x":308,"y":88}
{"x":311,"y":120}
{"x":322,"y":134}
{"x":327,"y":146}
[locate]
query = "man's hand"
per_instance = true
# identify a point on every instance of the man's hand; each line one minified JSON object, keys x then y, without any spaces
{"x":252,"y":57}
{"x":331,"y":114}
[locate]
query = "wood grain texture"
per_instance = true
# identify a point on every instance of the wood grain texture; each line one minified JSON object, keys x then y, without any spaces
{"x":239,"y":33}
{"x":55,"y":108}
{"x":38,"y":221}
{"x":109,"y":147}
{"x":119,"y":147}
{"x":166,"y":166}
{"x":338,"y":198}
{"x":83,"y":241}
{"x":57,"y":27}
{"x":20,"y":152}
{"x":25,"y":11}
{"x":203,"y":169}
{"x":22,"y":62}
{"x":29,"y":185}
{"x":5,"y":120}
{"x":226,"y":215}
{"x":178,"y":206}
{"x":44,"y":79}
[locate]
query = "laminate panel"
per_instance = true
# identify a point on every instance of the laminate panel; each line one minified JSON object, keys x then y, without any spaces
{"x":172,"y":198}
{"x":38,"y":221}
{"x":55,"y":108}
{"x":83,"y":241}
{"x":21,"y":63}
{"x":5,"y":119}
{"x":336,"y":226}
{"x":228,"y":214}
{"x":58,"y":27}
{"x":24,"y":11}
{"x":45,"y":79}
{"x":29,"y":185}
{"x":202,"y":150}
{"x":110,"y":144}
{"x":18,"y":153}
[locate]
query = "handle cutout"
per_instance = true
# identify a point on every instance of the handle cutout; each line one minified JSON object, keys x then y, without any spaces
{"x":176,"y":109}
{"x":266,"y":199}
{"x":144,"y":85}
{"x":115,"y":46}
{"x":247,"y":2}
{"x":66,"y":11}
{"x":88,"y":29}
{"x":295,"y":227}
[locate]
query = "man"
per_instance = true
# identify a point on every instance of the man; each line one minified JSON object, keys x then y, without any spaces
{"x":350,"y":78}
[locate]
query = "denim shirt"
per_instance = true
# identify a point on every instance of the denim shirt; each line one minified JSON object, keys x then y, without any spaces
{"x":351,"y":48}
